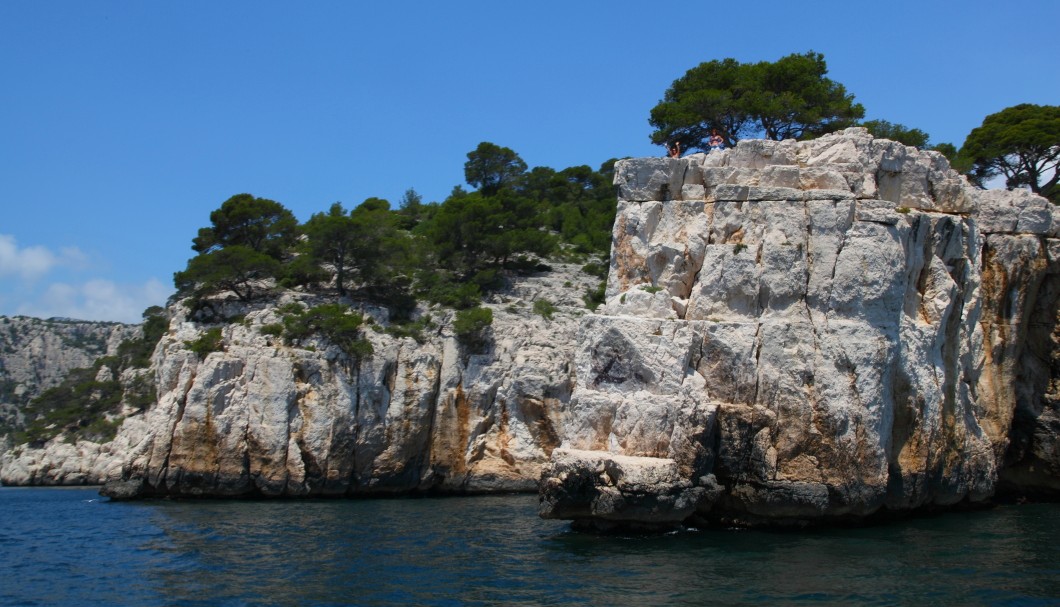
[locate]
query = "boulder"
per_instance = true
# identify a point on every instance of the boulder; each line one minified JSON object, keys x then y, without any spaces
{"x":602,"y":491}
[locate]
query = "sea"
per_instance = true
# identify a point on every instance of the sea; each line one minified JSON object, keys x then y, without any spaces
{"x":72,"y":547}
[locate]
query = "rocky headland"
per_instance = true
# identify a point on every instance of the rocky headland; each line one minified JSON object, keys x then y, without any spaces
{"x":261,"y":418}
{"x":808,"y":331}
{"x":794,"y":332}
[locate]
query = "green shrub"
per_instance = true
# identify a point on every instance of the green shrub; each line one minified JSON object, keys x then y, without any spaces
{"x":272,"y":329}
{"x":136,"y":353}
{"x":470,"y":326}
{"x":488,"y":280}
{"x":454,"y":294}
{"x":412,"y":329}
{"x":334,"y":322}
{"x":291,"y":308}
{"x":524,"y":264}
{"x":545,"y":308}
{"x":141,"y":392}
{"x":594,"y":298}
{"x":209,"y":341}
{"x":202,"y":309}
{"x":396,"y":294}
{"x":650,"y":289}
{"x":101,"y":429}
{"x":7,"y":391}
{"x":303,"y":271}
{"x":596,"y":269}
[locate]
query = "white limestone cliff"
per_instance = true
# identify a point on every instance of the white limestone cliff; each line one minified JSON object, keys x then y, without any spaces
{"x":35,"y":355}
{"x":261,"y":418}
{"x":828,"y":329}
{"x":794,"y":331}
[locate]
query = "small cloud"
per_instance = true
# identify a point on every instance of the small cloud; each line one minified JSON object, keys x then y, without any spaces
{"x":73,"y":257}
{"x":32,"y":263}
{"x":98,"y":300}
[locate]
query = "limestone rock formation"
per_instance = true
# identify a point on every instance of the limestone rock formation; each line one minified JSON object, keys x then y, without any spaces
{"x":824,"y":329}
{"x":60,"y":463}
{"x":607,"y":490}
{"x":793,"y":332}
{"x":261,"y":418}
{"x":35,"y":355}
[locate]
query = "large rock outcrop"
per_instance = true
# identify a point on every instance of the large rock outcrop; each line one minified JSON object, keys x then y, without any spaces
{"x":61,"y":463}
{"x":260,"y":418}
{"x":794,"y":331}
{"x":819,"y":330}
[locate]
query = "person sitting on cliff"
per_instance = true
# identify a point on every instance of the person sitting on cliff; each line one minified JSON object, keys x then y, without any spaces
{"x":715,"y":142}
{"x":675,"y":150}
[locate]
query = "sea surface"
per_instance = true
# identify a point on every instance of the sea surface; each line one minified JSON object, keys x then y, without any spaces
{"x":71,"y":547}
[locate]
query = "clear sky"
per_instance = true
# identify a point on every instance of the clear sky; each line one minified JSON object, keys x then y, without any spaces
{"x":123,"y":124}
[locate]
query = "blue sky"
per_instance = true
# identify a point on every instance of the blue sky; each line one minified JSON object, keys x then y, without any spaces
{"x":124,"y":124}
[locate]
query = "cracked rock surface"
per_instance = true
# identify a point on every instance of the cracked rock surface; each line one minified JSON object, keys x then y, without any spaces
{"x":825,"y":329}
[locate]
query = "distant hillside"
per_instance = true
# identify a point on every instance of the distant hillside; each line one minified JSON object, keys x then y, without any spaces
{"x":37,"y":354}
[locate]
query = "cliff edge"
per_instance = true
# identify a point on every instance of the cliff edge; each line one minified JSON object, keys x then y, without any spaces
{"x":807,"y":331}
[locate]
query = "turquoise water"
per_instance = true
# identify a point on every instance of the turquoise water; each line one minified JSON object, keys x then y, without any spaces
{"x":70,"y":547}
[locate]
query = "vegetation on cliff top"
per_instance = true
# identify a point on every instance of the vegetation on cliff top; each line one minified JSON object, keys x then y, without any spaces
{"x":793,"y":98}
{"x":454,"y":252}
{"x":786,"y":99}
{"x":450,"y":253}
{"x":1021,"y":144}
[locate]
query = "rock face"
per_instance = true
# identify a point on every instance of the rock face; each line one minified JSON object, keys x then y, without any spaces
{"x":59,"y":463}
{"x":260,"y":418}
{"x":818,"y":330}
{"x":36,"y":355}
